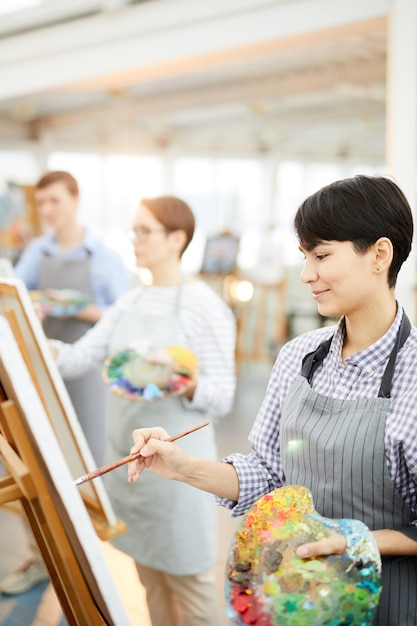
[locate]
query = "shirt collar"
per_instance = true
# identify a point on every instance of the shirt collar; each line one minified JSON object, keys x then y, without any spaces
{"x":373,"y":356}
{"x":50,"y":245}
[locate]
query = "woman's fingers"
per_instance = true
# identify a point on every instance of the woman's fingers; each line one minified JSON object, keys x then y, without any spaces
{"x":335,"y":544}
{"x":142,"y":435}
{"x":146,"y":442}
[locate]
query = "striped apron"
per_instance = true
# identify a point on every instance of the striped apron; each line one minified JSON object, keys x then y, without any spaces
{"x":342,"y":462}
{"x":172,"y":527}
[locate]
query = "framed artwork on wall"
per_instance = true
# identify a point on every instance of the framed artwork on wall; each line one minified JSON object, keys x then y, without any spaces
{"x":220,"y":254}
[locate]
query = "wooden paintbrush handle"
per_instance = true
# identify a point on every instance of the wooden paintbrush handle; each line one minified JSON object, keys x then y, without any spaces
{"x":127,"y":459}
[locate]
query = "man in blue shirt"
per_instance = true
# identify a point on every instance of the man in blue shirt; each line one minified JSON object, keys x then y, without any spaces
{"x":70,"y":256}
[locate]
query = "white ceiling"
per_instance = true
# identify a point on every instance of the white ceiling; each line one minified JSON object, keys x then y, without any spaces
{"x":292,"y":78}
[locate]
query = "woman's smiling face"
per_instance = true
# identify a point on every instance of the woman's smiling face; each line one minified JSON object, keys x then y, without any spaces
{"x":340,"y":278}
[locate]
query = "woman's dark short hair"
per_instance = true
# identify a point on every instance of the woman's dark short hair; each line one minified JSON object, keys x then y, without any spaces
{"x":361,"y":210}
{"x":173,"y":213}
{"x":58,"y":176}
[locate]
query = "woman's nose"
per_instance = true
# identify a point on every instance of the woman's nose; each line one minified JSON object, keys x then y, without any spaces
{"x":308,"y":273}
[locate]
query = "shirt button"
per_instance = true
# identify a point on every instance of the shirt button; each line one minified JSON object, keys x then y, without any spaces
{"x":342,"y":388}
{"x":368,"y":369}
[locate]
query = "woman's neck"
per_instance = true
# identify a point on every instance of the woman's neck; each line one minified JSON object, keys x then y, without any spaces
{"x":167,"y":276}
{"x":364,"y":330}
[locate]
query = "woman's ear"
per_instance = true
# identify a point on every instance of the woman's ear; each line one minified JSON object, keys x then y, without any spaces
{"x":179,"y":239}
{"x":383,"y":254}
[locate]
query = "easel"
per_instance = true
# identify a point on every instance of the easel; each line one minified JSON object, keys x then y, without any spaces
{"x":39,"y":478}
{"x":17,"y":308}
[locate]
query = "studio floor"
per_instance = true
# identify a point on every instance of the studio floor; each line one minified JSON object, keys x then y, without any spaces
{"x":39,"y":607}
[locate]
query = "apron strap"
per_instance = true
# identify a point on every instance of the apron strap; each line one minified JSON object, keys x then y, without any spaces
{"x":312,"y":360}
{"x":178,"y":294}
{"x":385,"y":388}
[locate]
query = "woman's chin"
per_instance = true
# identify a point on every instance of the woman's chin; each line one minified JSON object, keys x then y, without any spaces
{"x":327,"y":311}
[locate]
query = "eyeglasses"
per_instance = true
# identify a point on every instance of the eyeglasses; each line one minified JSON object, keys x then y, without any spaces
{"x":142,"y":232}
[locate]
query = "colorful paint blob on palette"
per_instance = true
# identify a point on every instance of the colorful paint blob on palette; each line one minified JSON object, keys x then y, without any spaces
{"x":152,"y":375}
{"x":267,"y":584}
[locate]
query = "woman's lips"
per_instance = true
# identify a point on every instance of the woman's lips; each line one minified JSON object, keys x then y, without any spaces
{"x":317,"y":294}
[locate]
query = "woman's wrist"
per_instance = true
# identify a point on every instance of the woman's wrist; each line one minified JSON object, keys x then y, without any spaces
{"x":394,"y":542}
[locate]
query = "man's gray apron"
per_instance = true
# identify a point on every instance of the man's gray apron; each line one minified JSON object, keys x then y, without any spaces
{"x":88,"y":393}
{"x":172,"y":527}
{"x":342,"y":462}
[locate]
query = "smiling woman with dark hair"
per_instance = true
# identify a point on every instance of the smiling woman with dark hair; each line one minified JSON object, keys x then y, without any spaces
{"x":347,"y":394}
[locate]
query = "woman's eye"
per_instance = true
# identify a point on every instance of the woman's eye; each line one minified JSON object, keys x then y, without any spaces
{"x":321,"y":256}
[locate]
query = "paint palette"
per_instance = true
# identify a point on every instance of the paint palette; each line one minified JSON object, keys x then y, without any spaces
{"x":60,"y":302}
{"x":150,"y":376}
{"x":267,"y":584}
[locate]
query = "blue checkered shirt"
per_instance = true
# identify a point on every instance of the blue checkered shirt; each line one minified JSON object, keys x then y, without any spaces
{"x":360,"y":377}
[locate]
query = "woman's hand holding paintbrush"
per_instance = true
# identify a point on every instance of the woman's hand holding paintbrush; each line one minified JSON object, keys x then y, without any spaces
{"x":127,"y":459}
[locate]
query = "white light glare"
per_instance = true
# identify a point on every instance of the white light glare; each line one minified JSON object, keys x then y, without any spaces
{"x":243,"y":290}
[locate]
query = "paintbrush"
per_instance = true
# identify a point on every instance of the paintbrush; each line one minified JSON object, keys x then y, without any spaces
{"x":127,"y":459}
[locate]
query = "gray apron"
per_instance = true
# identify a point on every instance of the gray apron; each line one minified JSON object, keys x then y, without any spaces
{"x":342,"y":462}
{"x":87,"y":393}
{"x":172,"y":527}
